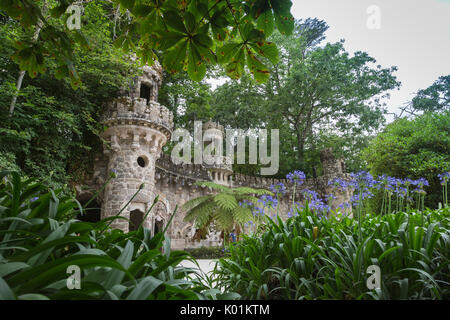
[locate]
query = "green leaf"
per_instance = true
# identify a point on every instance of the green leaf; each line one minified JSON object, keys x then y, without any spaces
{"x":174,"y":20}
{"x":127,"y":4}
{"x":196,"y":67}
{"x":266,"y":22}
{"x":144,"y":288}
{"x":226,"y":201}
{"x":268,"y":50}
{"x":174,"y":59}
{"x":191,"y":24}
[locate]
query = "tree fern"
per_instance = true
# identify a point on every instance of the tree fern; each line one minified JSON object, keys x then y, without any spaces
{"x":221,"y":209}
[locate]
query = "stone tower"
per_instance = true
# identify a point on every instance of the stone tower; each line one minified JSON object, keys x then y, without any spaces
{"x":219,"y":166}
{"x":137,"y":129}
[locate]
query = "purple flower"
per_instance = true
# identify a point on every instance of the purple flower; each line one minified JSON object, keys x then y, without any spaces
{"x":444,"y":177}
{"x":421,"y":182}
{"x":401,"y":191}
{"x":362,"y":179}
{"x":310,"y":194}
{"x":33,"y":199}
{"x":245,"y":204}
{"x":258,"y":211}
{"x":268,"y":201}
{"x":296,"y":177}
{"x":113,"y":173}
{"x":278,"y":188}
{"x":339,"y":184}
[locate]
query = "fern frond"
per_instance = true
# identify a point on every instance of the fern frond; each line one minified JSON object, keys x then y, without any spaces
{"x":224,"y":219}
{"x":226,"y":201}
{"x":200,"y":213}
{"x":242,"y":215}
{"x":195,"y":202}
{"x":248,"y":190}
{"x":213,"y":186}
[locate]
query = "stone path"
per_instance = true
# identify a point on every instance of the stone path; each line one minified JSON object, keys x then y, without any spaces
{"x":206,"y":265}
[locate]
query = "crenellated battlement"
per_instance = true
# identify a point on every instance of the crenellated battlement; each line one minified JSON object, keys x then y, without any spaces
{"x":129,"y":111}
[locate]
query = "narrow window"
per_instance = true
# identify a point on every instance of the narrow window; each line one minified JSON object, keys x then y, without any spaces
{"x":145,"y":92}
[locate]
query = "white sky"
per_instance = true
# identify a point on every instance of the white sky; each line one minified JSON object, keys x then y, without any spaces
{"x":414,"y":35}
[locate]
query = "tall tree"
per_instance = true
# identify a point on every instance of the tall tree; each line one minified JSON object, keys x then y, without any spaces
{"x":314,"y":91}
{"x":327,"y":88}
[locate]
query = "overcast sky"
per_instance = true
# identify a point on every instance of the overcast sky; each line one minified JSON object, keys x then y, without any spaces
{"x":414,"y":35}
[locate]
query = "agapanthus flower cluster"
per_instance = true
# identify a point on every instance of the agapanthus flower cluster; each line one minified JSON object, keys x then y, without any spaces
{"x":362,"y":180}
{"x":268,"y":201}
{"x":278,"y":188}
{"x":296,"y":177}
{"x":344,"y":205}
{"x":356,"y":198}
{"x":401,"y":191}
{"x":258,"y":211}
{"x":319,"y":206}
{"x":310,"y":195}
{"x":314,"y":201}
{"x":246,"y":204}
{"x":444,"y":177}
{"x":338,"y":184}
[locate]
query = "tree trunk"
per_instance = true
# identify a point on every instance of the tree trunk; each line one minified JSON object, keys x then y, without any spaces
{"x":22,"y":73}
{"x":300,"y":151}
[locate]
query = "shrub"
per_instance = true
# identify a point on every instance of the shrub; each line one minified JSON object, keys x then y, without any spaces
{"x":207,"y":252}
{"x":417,"y":148}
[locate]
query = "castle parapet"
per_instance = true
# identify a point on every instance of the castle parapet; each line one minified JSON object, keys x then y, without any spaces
{"x":138,"y":111}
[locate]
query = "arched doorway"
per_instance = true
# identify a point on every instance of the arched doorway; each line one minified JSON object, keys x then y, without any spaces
{"x":91,"y":213}
{"x":136,"y":218}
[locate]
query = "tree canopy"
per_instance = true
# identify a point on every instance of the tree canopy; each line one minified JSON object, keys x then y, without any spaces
{"x":189,"y":34}
{"x":315,"y":94}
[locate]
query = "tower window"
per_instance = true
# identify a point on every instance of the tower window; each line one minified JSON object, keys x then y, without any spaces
{"x":141,"y":162}
{"x":145,"y":92}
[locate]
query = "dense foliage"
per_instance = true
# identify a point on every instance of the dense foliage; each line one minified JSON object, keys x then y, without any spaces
{"x":52,"y":133}
{"x":190,"y":34}
{"x":40,"y":238}
{"x":311,"y":258}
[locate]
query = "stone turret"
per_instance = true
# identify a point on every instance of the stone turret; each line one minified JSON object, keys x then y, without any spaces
{"x":137,"y":129}
{"x":218,"y":165}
